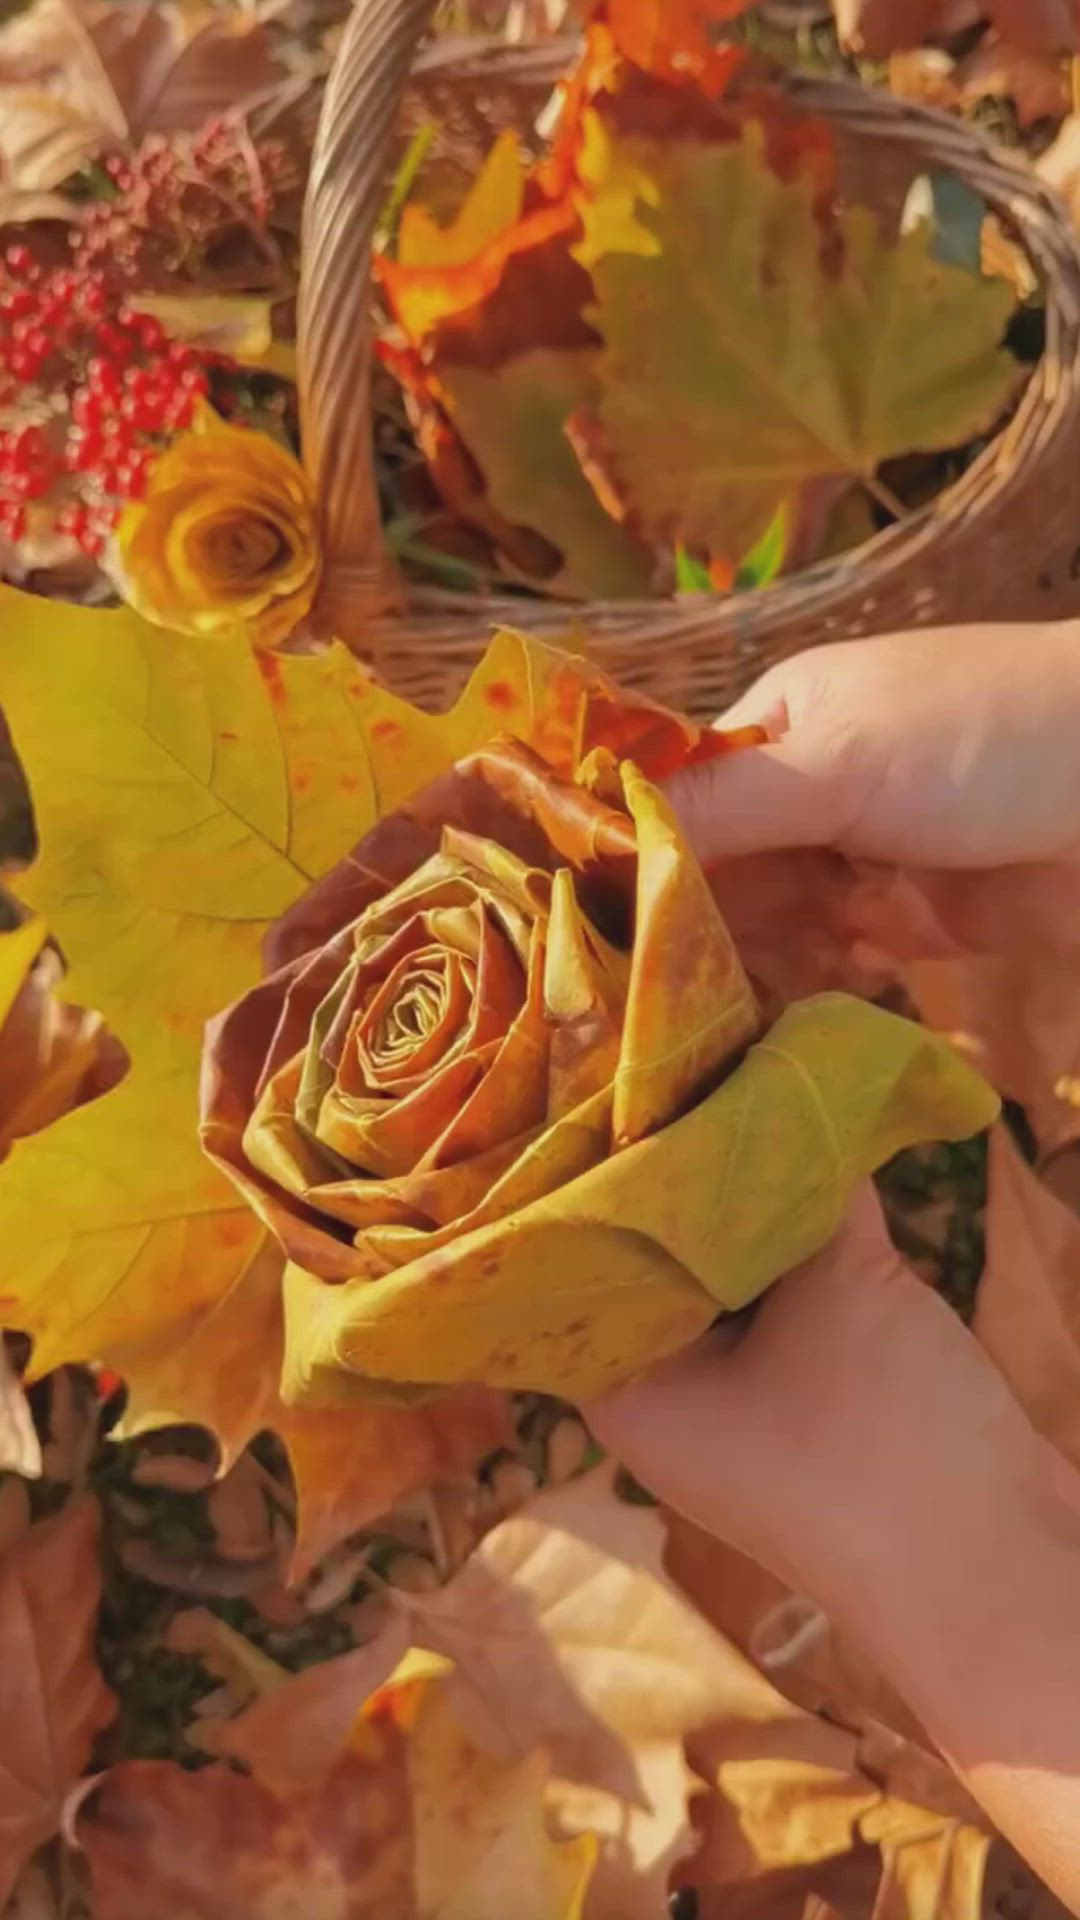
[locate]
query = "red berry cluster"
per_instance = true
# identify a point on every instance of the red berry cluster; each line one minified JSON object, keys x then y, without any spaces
{"x":180,"y":200}
{"x":93,"y":393}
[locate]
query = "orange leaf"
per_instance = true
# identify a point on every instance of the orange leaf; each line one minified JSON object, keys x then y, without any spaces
{"x":164,"y":1842}
{"x":55,"y":1700}
{"x":678,"y":39}
{"x":414,"y":1822}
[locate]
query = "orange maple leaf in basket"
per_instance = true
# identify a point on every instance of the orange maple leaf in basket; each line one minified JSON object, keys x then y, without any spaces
{"x":678,"y":39}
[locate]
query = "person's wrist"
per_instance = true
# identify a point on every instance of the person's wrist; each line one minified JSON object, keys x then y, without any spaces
{"x":914,"y":1446}
{"x":931,"y":1561}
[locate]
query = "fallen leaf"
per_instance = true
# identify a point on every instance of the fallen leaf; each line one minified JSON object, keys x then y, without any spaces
{"x":990,"y":958}
{"x":341,"y":1854}
{"x":185,"y":795}
{"x":53,"y":1056}
{"x":1036,"y":83}
{"x":55,"y":1701}
{"x":697,"y":366}
{"x":931,"y":1871}
{"x":878,"y":27}
{"x":241,"y":326}
{"x":111,"y":74}
{"x":44,"y":142}
{"x":295,"y":1735}
{"x":675,"y":39}
{"x":513,"y":422}
{"x":502,"y":347}
{"x":638,"y":1844}
{"x":566,"y":1633}
{"x":415,"y":1822}
{"x":352,"y":1464}
{"x":493,"y":203}
{"x":483,"y":1849}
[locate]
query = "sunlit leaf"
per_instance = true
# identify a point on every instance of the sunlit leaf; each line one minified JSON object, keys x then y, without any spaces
{"x":820,"y":370}
{"x":186,"y":794}
{"x":56,"y":1701}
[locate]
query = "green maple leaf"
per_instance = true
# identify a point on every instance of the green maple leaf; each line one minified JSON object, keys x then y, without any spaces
{"x":737,"y":366}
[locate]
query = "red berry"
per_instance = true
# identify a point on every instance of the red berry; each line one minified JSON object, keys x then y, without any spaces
{"x":102,"y":376}
{"x":86,"y":408}
{"x":83,"y":450}
{"x":23,"y":365}
{"x":91,"y":541}
{"x":19,"y":259}
{"x":115,"y":341}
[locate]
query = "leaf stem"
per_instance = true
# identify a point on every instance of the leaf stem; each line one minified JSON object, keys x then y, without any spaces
{"x":884,"y":496}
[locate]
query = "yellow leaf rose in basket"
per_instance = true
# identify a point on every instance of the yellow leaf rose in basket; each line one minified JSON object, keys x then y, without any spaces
{"x":507,"y":1101}
{"x":225,"y":536}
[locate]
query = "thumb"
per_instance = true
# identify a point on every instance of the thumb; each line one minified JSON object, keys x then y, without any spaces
{"x":793,"y":794}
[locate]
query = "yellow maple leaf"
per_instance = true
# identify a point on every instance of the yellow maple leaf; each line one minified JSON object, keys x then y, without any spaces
{"x":186,"y":793}
{"x":493,"y":202}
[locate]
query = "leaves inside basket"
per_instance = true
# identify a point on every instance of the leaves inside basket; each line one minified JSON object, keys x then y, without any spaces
{"x":668,"y":332}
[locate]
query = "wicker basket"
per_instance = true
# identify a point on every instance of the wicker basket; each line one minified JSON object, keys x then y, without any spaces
{"x":1002,"y":543}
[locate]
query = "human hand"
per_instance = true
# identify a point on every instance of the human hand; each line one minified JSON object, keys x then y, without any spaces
{"x":949,"y":748}
{"x":812,"y":1435}
{"x":853,"y":1438}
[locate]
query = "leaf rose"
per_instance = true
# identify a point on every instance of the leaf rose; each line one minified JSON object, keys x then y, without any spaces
{"x":508,"y":1105}
{"x":225,"y":536}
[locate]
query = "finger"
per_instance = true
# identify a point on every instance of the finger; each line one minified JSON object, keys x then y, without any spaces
{"x":794,"y":794}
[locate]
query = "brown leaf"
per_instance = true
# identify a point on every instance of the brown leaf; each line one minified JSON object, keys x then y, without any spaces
{"x":878,"y":27}
{"x":295,"y":1735}
{"x":1036,"y":83}
{"x":991,"y":958}
{"x":163,"y":1844}
{"x":80,"y":75}
{"x":53,"y":1056}
{"x":565,"y":1634}
{"x":352,"y":1464}
{"x":55,"y":1700}
{"x":173,"y":67}
{"x":415,"y":1823}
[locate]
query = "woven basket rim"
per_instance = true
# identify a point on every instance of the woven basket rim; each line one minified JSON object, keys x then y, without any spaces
{"x":1046,"y":408}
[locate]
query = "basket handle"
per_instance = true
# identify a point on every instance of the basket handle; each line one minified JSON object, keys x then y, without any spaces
{"x":345,"y":196}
